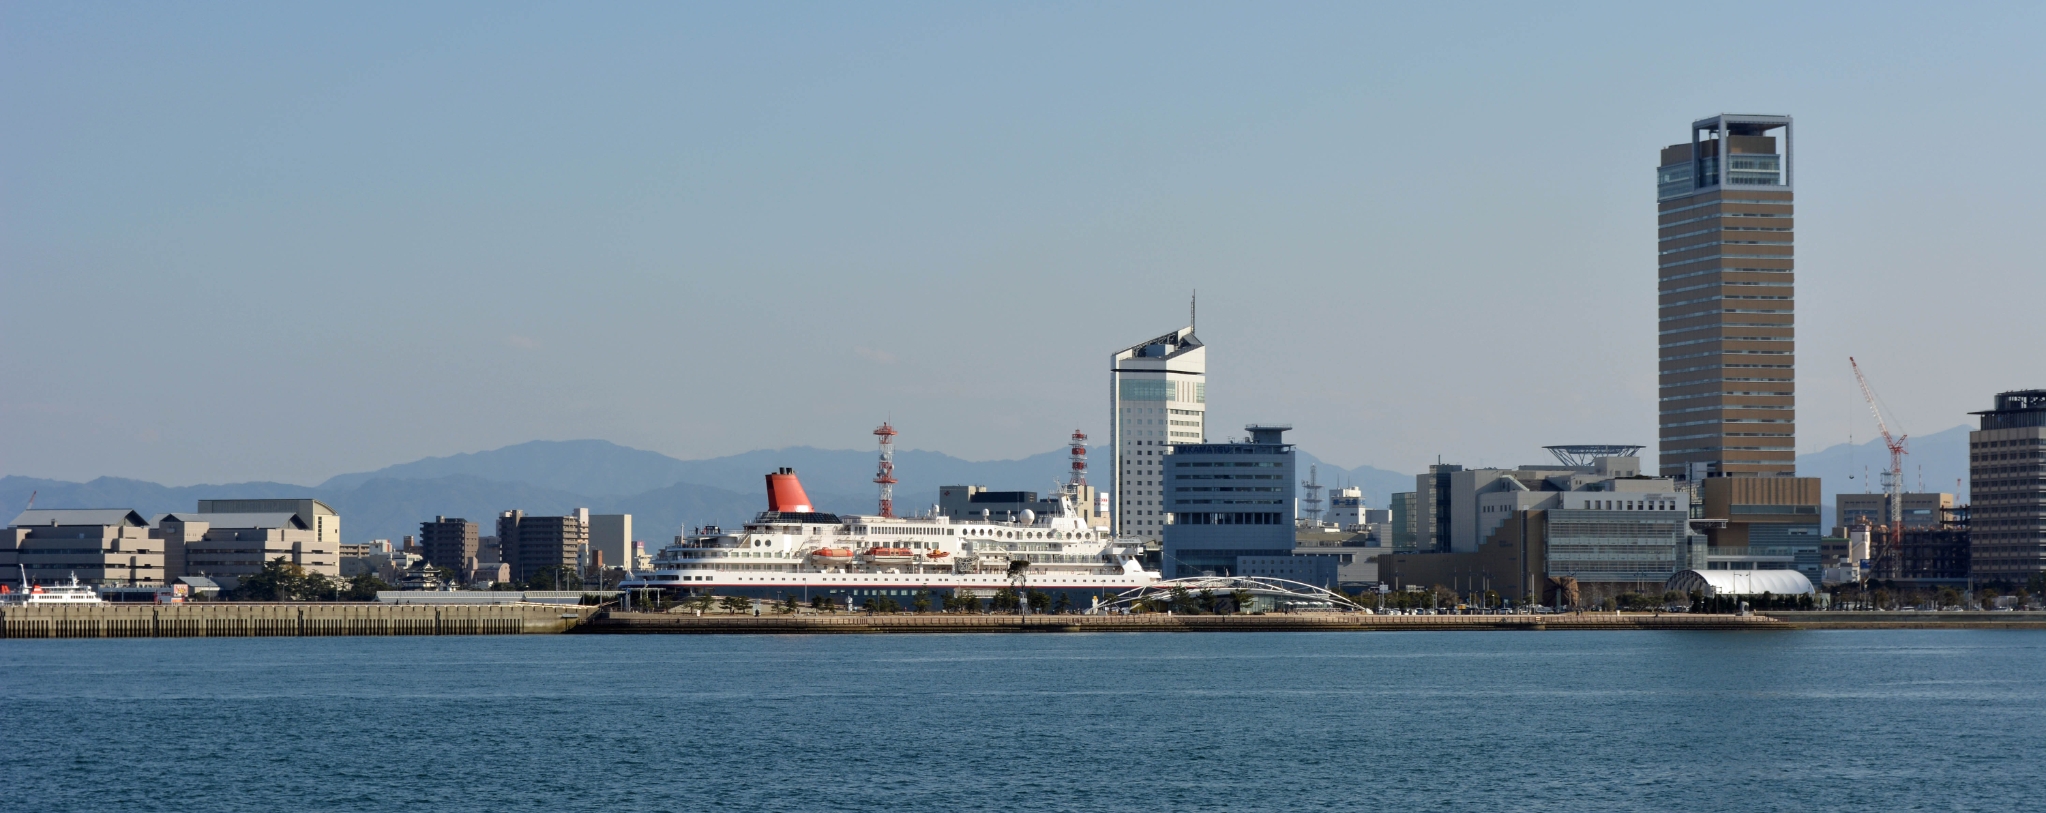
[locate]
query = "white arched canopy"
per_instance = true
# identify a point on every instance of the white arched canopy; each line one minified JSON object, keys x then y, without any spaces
{"x":1740,"y":582}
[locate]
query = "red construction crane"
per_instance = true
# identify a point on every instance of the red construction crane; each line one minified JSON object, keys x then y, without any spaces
{"x":1893,"y":477}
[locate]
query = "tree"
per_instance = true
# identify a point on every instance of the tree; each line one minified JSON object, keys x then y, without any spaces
{"x":1040,"y":601}
{"x":788,"y":604}
{"x":1205,"y":600}
{"x":922,"y":603}
{"x":736,"y":604}
{"x":554,"y":578}
{"x":364,"y":587}
{"x":1182,"y":602}
{"x":1239,"y":600}
{"x":819,"y":603}
{"x":280,"y":580}
{"x":1063,"y":605}
{"x":1005,"y":601}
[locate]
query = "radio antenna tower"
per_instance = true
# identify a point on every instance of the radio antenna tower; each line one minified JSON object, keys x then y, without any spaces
{"x":1311,"y":506}
{"x":884,"y":475}
{"x":1079,"y":458}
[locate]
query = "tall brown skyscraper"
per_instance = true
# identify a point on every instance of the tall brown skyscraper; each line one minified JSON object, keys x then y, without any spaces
{"x":1725,"y":282}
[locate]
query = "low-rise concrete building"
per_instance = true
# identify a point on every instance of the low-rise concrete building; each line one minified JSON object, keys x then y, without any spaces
{"x":109,"y":546}
{"x":318,"y":518}
{"x":232,"y":546}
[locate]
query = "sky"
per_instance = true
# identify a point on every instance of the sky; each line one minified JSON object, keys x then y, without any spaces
{"x":285,"y":241}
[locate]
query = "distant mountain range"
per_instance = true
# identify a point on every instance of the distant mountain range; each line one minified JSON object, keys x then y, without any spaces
{"x":664,"y":494}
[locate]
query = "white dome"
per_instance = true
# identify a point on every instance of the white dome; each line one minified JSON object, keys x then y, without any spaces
{"x":1740,"y":582}
{"x":1028,"y":517}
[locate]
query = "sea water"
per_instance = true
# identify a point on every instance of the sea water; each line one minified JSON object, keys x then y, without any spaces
{"x":1453,"y":721}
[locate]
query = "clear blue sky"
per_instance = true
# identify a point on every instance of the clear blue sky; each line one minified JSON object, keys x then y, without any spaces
{"x":288,"y":240}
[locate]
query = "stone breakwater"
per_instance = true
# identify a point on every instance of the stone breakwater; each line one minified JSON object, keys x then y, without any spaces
{"x":680,"y":623}
{"x":241,"y":620}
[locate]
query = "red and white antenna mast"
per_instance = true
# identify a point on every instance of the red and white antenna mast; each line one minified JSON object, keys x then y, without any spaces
{"x":1079,"y":460}
{"x":885,"y":474}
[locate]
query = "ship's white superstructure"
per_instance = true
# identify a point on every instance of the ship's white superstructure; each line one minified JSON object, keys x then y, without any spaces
{"x":37,"y":595}
{"x":792,"y":551}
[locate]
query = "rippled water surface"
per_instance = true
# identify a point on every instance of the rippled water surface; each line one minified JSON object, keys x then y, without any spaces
{"x":1804,"y":721}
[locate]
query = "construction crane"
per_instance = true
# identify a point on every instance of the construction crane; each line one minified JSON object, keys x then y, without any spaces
{"x":1893,"y":477}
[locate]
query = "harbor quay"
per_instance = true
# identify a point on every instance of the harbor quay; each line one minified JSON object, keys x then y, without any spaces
{"x":285,"y":619}
{"x":686,"y":624}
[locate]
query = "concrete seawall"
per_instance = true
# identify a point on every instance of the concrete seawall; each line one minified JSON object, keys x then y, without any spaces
{"x":239,"y":620}
{"x":675,"y":623}
{"x":1914,"y":620}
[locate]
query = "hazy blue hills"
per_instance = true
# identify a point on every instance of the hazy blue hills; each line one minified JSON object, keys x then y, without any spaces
{"x":663,"y":493}
{"x":551,"y":477}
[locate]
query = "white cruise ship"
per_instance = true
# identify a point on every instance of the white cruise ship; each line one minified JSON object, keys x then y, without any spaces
{"x":790,"y":550}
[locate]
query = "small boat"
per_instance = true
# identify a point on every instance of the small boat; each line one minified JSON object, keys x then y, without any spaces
{"x":890,"y":555}
{"x":833,"y":554}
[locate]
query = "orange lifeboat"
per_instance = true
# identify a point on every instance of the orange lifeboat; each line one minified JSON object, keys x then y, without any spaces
{"x":833,"y":554}
{"x":938,"y":554}
{"x":889,"y":555}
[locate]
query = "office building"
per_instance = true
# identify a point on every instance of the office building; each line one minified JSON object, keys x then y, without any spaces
{"x":228,"y":547}
{"x":99,"y":546}
{"x":1920,"y":510}
{"x":1432,"y":505}
{"x":1480,"y":499}
{"x":318,"y":518}
{"x":1936,"y":554}
{"x":2007,"y":488}
{"x":1158,"y":396}
{"x":1348,"y":510}
{"x":532,"y":544}
{"x":1763,"y":523}
{"x":1603,"y":525}
{"x":450,"y":543}
{"x":1725,"y":314}
{"x":611,"y":539}
{"x":1228,"y":500}
{"x":1403,"y":513}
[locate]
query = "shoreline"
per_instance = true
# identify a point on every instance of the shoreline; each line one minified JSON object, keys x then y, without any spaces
{"x":225,"y":620}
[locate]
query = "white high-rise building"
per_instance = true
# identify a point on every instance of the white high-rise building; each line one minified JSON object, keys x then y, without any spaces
{"x":1158,"y":393}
